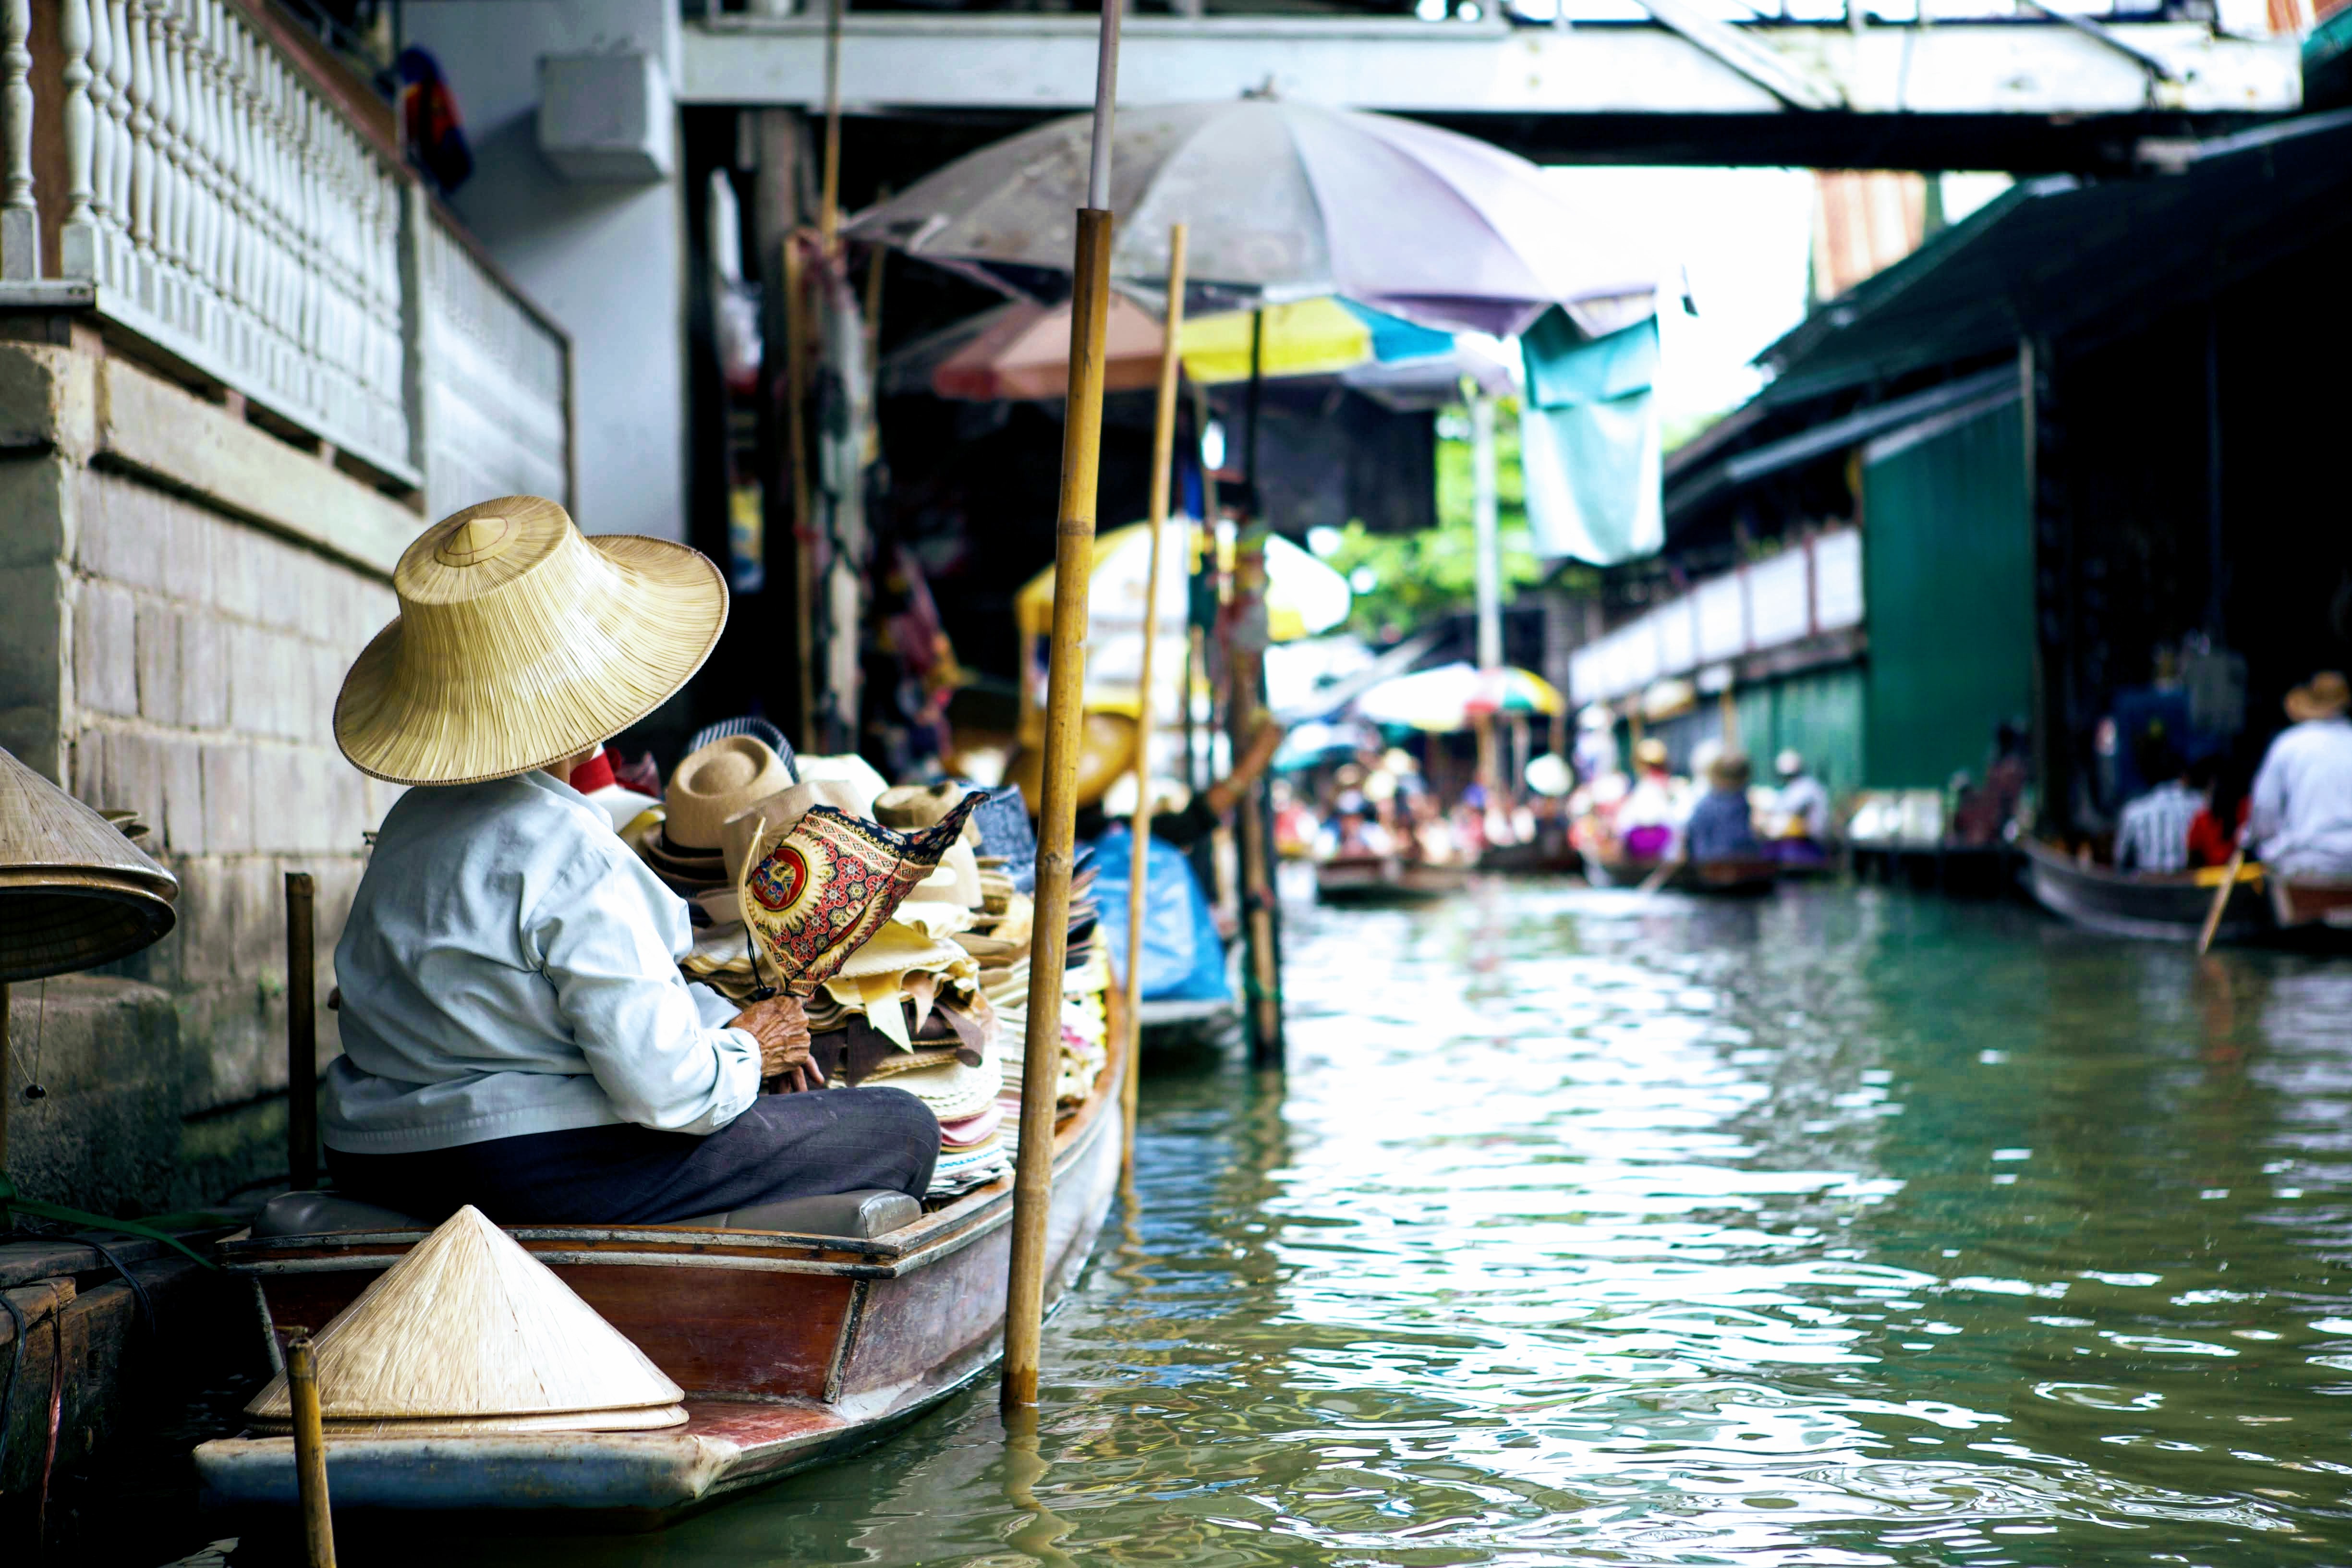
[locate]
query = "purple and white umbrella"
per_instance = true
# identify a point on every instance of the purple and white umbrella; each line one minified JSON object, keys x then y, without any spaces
{"x":1284,"y":200}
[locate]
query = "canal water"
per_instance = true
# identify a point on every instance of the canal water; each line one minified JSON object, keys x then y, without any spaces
{"x":1848,"y":1226}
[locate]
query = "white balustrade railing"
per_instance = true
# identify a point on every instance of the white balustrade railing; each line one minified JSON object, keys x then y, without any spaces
{"x":1812,"y":588}
{"x":218,"y":204}
{"x":495,"y":390}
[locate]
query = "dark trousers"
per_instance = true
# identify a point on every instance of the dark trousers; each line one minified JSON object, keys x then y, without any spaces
{"x":783,"y":1146}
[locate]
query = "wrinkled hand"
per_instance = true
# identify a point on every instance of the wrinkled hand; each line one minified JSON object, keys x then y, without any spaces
{"x":782,"y":1031}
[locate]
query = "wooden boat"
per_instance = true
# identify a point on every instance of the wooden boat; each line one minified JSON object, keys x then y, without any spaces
{"x":792,"y":1347}
{"x":1721,"y":878}
{"x":2171,"y":906}
{"x":1542,"y":856}
{"x":1367,"y":880}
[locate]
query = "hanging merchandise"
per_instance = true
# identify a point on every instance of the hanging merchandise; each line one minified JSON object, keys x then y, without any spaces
{"x":1589,"y":441}
{"x":833,"y":443}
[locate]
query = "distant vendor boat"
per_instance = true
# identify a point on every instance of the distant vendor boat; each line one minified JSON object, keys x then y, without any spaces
{"x":2171,"y":906}
{"x":799,"y":1332}
{"x":1722,"y":879}
{"x":1365,"y":880}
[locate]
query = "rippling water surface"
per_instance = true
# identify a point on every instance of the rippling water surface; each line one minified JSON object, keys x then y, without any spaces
{"x":1844,"y":1228}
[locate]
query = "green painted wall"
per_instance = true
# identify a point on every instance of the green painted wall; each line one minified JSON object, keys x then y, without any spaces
{"x":1819,"y":714}
{"x":1948,"y":574}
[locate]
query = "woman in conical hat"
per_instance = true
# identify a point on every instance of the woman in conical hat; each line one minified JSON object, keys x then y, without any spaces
{"x":516,"y":1032}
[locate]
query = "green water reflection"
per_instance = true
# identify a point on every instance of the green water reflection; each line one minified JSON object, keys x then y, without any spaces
{"x":1844,"y":1228}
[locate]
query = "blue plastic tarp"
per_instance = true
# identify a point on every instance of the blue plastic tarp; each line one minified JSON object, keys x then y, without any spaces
{"x":1183,"y":957}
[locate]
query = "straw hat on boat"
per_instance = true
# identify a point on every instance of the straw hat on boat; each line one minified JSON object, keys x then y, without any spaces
{"x":470,"y":1333}
{"x":2326,"y":697}
{"x":955,"y":881}
{"x":714,"y":784}
{"x":74,"y":892}
{"x":952,"y":1091}
{"x":521,"y":642}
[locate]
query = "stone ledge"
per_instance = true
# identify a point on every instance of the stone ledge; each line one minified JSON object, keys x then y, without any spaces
{"x":188,"y":443}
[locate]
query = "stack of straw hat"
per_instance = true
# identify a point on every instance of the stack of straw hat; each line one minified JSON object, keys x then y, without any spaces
{"x":75,"y":892}
{"x":470,"y":1334}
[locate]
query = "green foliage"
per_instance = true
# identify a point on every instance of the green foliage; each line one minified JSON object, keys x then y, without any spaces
{"x":1418,"y":578}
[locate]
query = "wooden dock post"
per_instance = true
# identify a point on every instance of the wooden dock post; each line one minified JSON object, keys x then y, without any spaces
{"x":301,"y":1033}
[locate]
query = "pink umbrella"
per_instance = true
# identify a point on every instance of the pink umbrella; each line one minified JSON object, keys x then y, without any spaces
{"x":1025,"y":353}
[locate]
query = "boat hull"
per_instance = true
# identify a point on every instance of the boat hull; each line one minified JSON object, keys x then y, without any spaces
{"x":2150,"y":908}
{"x":1375,"y":879}
{"x":1720,"y":879}
{"x":793,"y":1350}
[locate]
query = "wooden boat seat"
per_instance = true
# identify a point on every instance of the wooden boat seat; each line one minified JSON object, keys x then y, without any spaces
{"x":862,"y":1215}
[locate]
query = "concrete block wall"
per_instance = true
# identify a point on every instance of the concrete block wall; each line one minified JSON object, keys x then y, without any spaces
{"x":180,"y":594}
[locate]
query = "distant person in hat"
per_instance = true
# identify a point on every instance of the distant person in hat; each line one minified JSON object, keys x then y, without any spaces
{"x":2301,"y":822}
{"x":1647,"y":818}
{"x":516,"y":1032}
{"x":1721,"y":827}
{"x":1802,"y":803}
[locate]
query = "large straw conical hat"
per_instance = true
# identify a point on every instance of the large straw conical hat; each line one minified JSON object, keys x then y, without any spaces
{"x":469,"y":1328}
{"x":74,"y":892}
{"x":521,"y":642}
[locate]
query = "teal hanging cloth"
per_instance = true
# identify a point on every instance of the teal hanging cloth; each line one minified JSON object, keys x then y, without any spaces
{"x":1589,"y":441}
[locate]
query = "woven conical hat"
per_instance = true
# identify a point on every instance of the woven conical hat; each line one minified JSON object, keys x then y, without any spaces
{"x":471,"y":1325}
{"x":74,"y":892}
{"x":521,"y":642}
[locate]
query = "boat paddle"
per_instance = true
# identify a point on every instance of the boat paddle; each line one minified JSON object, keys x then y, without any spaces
{"x":1664,"y":874}
{"x":2221,"y":899}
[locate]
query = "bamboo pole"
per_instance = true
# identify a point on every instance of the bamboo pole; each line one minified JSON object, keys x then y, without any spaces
{"x":1164,"y":452}
{"x":4,"y":1083}
{"x":309,"y":1454}
{"x":1254,"y":840}
{"x":301,"y":1033}
{"x":828,"y":211}
{"x":2220,"y":900}
{"x":1074,"y":539}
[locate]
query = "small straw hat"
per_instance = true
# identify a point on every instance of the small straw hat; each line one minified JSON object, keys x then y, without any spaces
{"x":470,"y":1333}
{"x":2326,"y":697}
{"x":714,"y":784}
{"x":520,"y":642}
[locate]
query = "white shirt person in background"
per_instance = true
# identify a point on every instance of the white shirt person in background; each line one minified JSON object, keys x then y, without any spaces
{"x":2301,"y":821}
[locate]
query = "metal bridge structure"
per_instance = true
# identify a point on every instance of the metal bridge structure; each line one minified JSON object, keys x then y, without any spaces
{"x":1673,"y":81}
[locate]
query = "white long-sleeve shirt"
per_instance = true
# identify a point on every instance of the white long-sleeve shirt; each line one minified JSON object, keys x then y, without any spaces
{"x":509,"y":967}
{"x":2300,"y":817}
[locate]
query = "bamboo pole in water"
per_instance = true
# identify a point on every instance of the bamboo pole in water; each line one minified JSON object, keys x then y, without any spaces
{"x":309,"y":1453}
{"x":1074,"y":539}
{"x":1163,"y":451}
{"x":302,"y":1034}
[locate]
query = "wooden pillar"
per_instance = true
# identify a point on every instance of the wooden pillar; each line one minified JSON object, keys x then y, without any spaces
{"x":302,"y":1034}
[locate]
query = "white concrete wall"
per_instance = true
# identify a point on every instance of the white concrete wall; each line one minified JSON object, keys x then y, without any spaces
{"x":608,"y":261}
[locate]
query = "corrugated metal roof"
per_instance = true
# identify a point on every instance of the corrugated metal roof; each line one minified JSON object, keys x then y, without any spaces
{"x":2058,"y":256}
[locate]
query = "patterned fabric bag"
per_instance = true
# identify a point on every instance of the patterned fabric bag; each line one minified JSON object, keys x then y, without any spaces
{"x":818,"y":893}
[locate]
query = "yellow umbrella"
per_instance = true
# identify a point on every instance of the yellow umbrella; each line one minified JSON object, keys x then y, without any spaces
{"x":1307,"y":337}
{"x":1303,"y":595}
